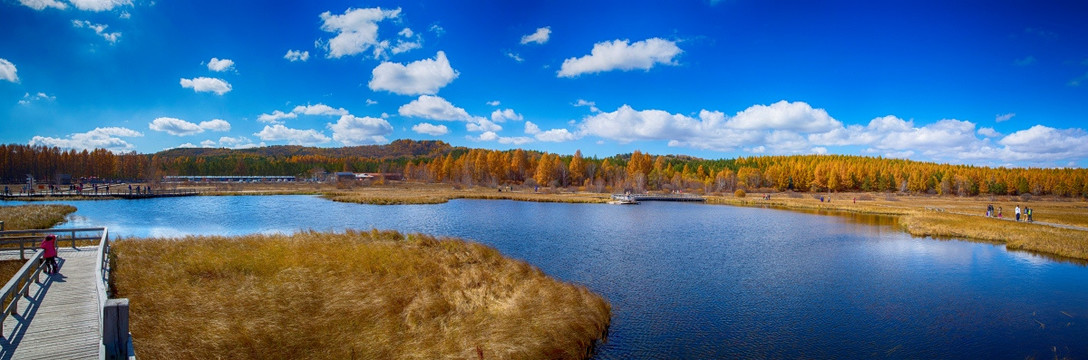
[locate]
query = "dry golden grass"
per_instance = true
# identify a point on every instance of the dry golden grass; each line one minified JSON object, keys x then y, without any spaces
{"x":1015,"y":235}
{"x":957,"y":217}
{"x":20,"y":217}
{"x":425,"y":194}
{"x":364,"y":295}
{"x":8,"y":268}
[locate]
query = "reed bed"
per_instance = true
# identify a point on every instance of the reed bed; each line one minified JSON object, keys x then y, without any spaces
{"x":20,"y":217}
{"x":352,"y":295}
{"x":432,"y":195}
{"x":1015,"y":235}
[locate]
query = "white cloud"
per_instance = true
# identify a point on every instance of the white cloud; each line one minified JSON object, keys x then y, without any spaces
{"x":296,"y":55}
{"x":215,"y":125}
{"x":319,"y":109}
{"x":492,"y":136}
{"x":100,"y":138}
{"x":42,"y":4}
{"x":240,"y":142}
{"x":540,"y":36}
{"x":988,"y":132}
{"x":220,"y":65}
{"x":206,"y":84}
{"x":187,"y":146}
{"x":351,"y":130}
{"x":100,"y":29}
{"x":1004,"y":117}
{"x":493,"y":103}
{"x":406,"y":32}
{"x":481,"y":125}
{"x":592,"y":105}
{"x":356,"y":30}
{"x":125,"y":15}
{"x":279,"y":132}
{"x":206,"y":144}
{"x":8,"y":71}
{"x":174,"y":126}
{"x":531,"y":129}
{"x":618,"y":55}
{"x":627,"y":124}
{"x":434,"y":108}
{"x":514,"y":56}
{"x":408,"y":42}
{"x":430,"y":129}
{"x":276,"y":117}
{"x":503,"y":115}
{"x":99,"y":5}
{"x":782,"y":115}
{"x":1048,"y":141}
{"x":556,"y":135}
{"x":419,"y":77}
{"x":27,"y":98}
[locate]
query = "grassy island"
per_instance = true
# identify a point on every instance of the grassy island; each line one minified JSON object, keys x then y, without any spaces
{"x":362,"y":295}
{"x":20,"y":217}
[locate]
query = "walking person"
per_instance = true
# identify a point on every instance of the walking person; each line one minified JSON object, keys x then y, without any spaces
{"x":1029,"y":215}
{"x":1017,"y":212}
{"x":49,"y":257}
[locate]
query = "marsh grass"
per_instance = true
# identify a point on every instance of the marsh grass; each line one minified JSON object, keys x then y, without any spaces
{"x":363,"y":295}
{"x":8,"y":268}
{"x":20,"y":217}
{"x":960,"y":218}
{"x":437,"y":195}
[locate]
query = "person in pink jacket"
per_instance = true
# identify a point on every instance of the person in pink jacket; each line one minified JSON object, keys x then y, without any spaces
{"x":50,"y":255}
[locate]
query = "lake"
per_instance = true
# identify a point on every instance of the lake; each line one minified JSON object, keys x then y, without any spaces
{"x":703,"y":281}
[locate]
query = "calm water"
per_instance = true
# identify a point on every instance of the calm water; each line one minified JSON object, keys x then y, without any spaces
{"x":700,"y":281}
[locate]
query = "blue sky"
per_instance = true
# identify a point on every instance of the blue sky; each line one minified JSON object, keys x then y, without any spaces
{"x":986,"y":83}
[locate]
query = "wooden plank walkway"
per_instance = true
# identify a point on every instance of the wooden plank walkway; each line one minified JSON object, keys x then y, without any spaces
{"x":60,"y":319}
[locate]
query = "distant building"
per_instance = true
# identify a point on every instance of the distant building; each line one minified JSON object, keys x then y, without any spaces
{"x":64,"y":179}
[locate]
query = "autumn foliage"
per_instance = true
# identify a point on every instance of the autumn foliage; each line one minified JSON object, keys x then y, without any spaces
{"x":435,"y":161}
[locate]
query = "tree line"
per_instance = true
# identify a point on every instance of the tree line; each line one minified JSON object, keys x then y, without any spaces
{"x":435,"y":161}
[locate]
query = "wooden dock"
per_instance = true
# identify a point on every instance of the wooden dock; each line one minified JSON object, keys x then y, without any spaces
{"x":59,"y":320}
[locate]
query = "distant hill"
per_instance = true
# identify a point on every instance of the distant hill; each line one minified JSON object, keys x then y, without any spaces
{"x":397,"y":149}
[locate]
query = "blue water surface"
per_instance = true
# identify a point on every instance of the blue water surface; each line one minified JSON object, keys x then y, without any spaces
{"x":703,"y":281}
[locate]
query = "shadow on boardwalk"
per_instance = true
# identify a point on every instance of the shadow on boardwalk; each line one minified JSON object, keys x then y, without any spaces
{"x":28,"y":308}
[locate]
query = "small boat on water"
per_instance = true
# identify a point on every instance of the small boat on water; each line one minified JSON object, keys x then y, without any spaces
{"x":623,"y":200}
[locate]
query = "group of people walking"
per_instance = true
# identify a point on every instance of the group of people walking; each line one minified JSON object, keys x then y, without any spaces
{"x":1026,"y":213}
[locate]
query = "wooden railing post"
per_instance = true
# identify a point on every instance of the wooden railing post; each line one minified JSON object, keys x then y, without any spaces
{"x":115,"y":329}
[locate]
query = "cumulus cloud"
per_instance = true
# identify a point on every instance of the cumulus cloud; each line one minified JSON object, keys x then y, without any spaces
{"x":431,"y":129}
{"x":988,"y":132}
{"x":1044,"y":140}
{"x":319,"y":109}
{"x":540,"y":36}
{"x":493,"y":103}
{"x":42,"y":4}
{"x":174,"y":126}
{"x":240,"y":142}
{"x":622,"y":55}
{"x":215,"y":125}
{"x":28,"y":98}
{"x":782,"y":115}
{"x":279,"y":132}
{"x":503,"y":115}
{"x":100,"y":29}
{"x":481,"y":125}
{"x":352,"y":130}
{"x":206,"y":84}
{"x":434,"y":108}
{"x":531,"y":129}
{"x":592,"y":105}
{"x":492,"y":136}
{"x":419,"y":77}
{"x":179,"y":127}
{"x":295,"y":55}
{"x":8,"y":71}
{"x":276,"y":117}
{"x":408,"y":41}
{"x":1004,"y":117}
{"x":108,"y":138}
{"x":99,"y":5}
{"x":555,"y":135}
{"x":220,"y":65}
{"x":356,"y":31}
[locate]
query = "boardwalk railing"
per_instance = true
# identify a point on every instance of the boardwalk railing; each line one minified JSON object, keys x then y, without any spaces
{"x":113,"y":313}
{"x":19,"y":286}
{"x":116,"y":341}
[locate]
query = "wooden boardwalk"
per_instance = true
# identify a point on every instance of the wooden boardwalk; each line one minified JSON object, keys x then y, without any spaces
{"x":60,"y":318}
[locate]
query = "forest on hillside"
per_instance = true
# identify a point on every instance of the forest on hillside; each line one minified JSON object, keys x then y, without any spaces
{"x":436,"y":161}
